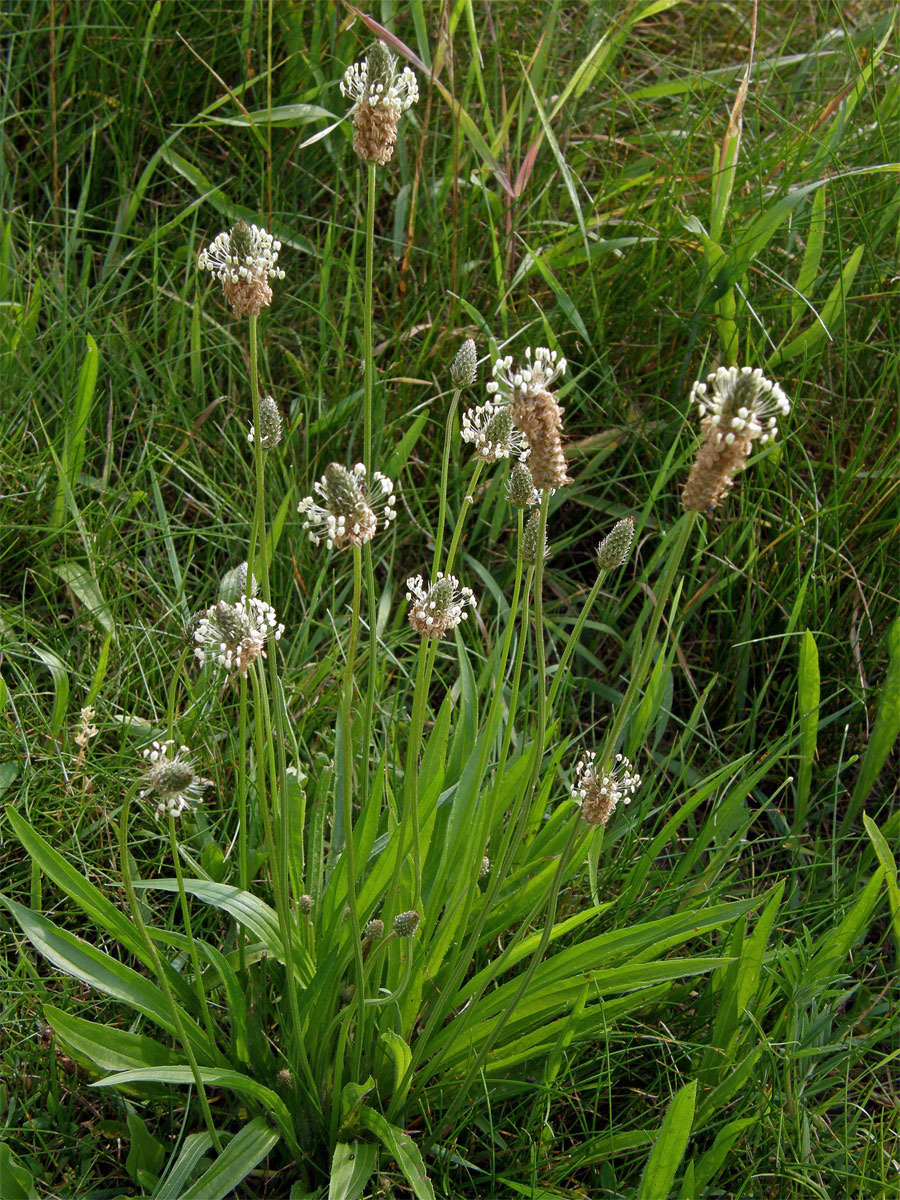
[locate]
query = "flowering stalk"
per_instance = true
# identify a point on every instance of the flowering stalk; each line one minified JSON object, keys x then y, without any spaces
{"x":611,"y":554}
{"x":368,"y":316}
{"x":186,"y":916}
{"x":462,"y":373}
{"x":463,"y":513}
{"x":680,"y":535}
{"x":347,"y":803}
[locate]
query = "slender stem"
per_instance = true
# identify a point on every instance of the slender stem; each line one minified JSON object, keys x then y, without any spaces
{"x":573,"y":641}
{"x":541,"y":729}
{"x":445,"y":471}
{"x":476,"y":1064}
{"x":243,"y":864}
{"x":368,"y":314}
{"x":264,"y":757}
{"x":463,"y":513}
{"x":258,"y":530}
{"x":186,"y":916}
{"x":138,"y":920}
{"x":670,"y":570}
{"x":347,"y":803}
{"x":410,"y":816}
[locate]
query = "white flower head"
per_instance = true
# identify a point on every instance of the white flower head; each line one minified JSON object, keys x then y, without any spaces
{"x":741,"y":404}
{"x":492,"y":431}
{"x":380,"y":95}
{"x":244,"y":260}
{"x":437,"y":608}
{"x":234,"y":635}
{"x":600,"y":791}
{"x":529,"y":379}
{"x":350,"y":509}
{"x":171,"y":778}
{"x":375,"y":82}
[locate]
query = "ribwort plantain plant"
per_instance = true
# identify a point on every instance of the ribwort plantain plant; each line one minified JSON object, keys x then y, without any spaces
{"x":396,"y":942}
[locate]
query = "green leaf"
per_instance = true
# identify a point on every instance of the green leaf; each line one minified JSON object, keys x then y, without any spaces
{"x":246,"y":908}
{"x":98,"y":970}
{"x":401,"y":1054}
{"x":16,"y":1182}
{"x":60,"y":678}
{"x":398,"y":1143}
{"x":172,"y":1185}
{"x":352,"y":1166}
{"x":713,"y":1160}
{"x":217,"y":1077}
{"x":90,"y":899}
{"x":812,"y":256}
{"x":808,"y":701}
{"x":79,"y":580}
{"x":145,"y":1154}
{"x":831,"y":314}
{"x":290,"y":115}
{"x":659,"y":1173}
{"x":73,"y":447}
{"x":107,"y":1046}
{"x":244,"y":1152}
{"x":888,"y":862}
{"x":885,"y":732}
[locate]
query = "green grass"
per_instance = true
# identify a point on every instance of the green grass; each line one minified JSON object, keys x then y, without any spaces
{"x":124,"y":417}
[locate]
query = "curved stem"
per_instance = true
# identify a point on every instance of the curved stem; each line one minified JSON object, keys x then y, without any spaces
{"x":573,"y":642}
{"x":463,"y":513}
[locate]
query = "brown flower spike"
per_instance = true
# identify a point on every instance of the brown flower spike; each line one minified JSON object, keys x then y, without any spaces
{"x":738,"y":406}
{"x":536,"y":411}
{"x":380,"y":96}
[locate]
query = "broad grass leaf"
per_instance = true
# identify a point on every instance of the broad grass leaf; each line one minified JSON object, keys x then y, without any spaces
{"x":16,"y":1181}
{"x":665,"y":1157}
{"x":886,"y":731}
{"x":244,"y":1152}
{"x":352,"y":1166}
{"x":808,"y":703}
{"x":76,"y":957}
{"x":399,"y":1144}
{"x":221,"y":1077}
{"x":107,"y":1046}
{"x":888,"y":863}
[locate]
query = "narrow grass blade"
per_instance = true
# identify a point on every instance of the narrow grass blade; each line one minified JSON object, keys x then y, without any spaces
{"x":885,"y":733}
{"x":808,"y":705}
{"x":812,"y":255}
{"x":659,"y":1173}
{"x":73,"y":446}
{"x":888,"y":862}
{"x":832,"y":313}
